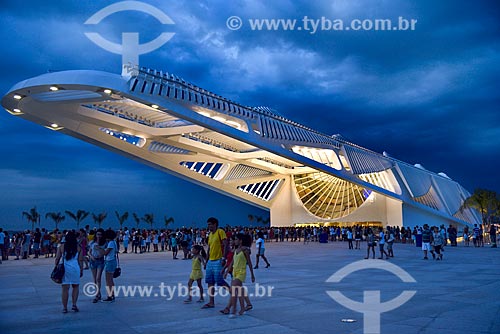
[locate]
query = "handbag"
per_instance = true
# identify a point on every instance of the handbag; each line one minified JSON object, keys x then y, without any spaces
{"x":58,"y":273}
{"x":118,"y":270}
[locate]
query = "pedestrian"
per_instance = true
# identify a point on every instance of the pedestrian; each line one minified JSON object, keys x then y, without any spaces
{"x":126,"y":239}
{"x":437,"y":244}
{"x":390,"y":241}
{"x":238,"y":266}
{"x":71,"y":255}
{"x":357,"y":237}
{"x":426,"y":240}
{"x":493,"y":236}
{"x":96,"y":260}
{"x":370,"y":243}
{"x":381,"y":244}
{"x":260,"y":251}
{"x":173,"y":245}
{"x":110,"y":263}
{"x":349,"y":238}
{"x":217,"y":246}
{"x":198,"y":260}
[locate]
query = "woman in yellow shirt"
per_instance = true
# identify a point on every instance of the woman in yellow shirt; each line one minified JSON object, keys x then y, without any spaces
{"x":241,"y":260}
{"x":199,"y":257}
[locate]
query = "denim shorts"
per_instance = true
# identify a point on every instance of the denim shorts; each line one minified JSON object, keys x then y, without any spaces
{"x":97,"y":263}
{"x":110,"y":266}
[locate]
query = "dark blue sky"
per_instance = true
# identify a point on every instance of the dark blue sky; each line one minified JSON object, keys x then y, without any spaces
{"x":429,"y":96}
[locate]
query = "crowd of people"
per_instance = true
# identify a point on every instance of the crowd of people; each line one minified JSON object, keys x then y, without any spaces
{"x":228,"y":251}
{"x":42,"y":242}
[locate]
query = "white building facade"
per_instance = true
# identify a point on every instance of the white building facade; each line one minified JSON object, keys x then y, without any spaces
{"x":250,"y":153}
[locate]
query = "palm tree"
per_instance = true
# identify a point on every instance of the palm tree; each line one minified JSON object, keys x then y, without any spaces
{"x":265,"y":221}
{"x":32,"y":216}
{"x":482,"y":200}
{"x":57,"y":217}
{"x":168,"y":221}
{"x":78,"y":217}
{"x":137,"y":220}
{"x":121,"y":218}
{"x":98,"y":219}
{"x":149,"y":219}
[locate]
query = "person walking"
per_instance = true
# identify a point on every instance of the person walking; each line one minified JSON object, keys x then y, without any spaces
{"x":260,"y":251}
{"x":349,"y":238}
{"x":437,"y":244}
{"x":381,"y":244}
{"x":370,"y":243}
{"x":390,"y":241}
{"x":217,"y":246}
{"x":238,"y":266}
{"x":357,"y":236}
{"x":199,"y":258}
{"x":426,"y":240}
{"x":110,"y":263}
{"x":96,"y":263}
{"x":71,"y":255}
{"x":493,"y":236}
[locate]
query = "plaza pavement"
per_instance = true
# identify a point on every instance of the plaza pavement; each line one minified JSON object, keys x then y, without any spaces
{"x":458,"y":295}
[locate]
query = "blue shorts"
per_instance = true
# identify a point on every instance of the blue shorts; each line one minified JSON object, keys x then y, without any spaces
{"x":97,"y":263}
{"x":213,"y":274}
{"x":110,"y":266}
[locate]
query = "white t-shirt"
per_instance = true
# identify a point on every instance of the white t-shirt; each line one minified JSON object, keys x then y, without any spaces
{"x":381,"y":239}
{"x":112,"y":254}
{"x":261,"y":242}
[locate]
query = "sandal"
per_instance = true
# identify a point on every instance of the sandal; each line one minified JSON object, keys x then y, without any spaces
{"x":74,"y":308}
{"x":188,"y":301}
{"x":225,"y":311}
{"x":208,"y":306}
{"x":249,"y":307}
{"x":200,"y":301}
{"x":65,"y":310}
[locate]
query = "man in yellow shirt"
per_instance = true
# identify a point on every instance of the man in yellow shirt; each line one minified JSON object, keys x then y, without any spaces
{"x":217,"y":243}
